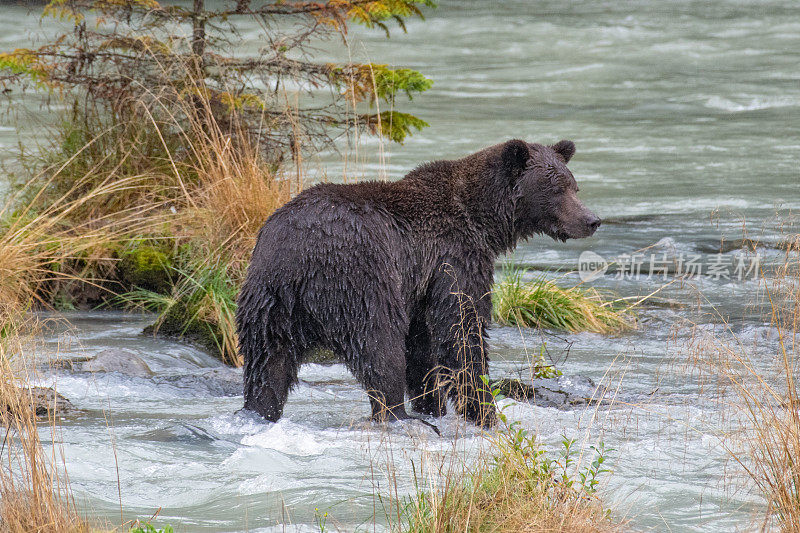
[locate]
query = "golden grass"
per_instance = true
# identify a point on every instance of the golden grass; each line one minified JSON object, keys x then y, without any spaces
{"x":41,"y":248}
{"x":33,"y":496}
{"x":497,"y":500}
{"x":234,"y":194}
{"x":216,"y":222}
{"x":763,"y":399}
{"x":196,"y":185}
{"x":514,"y":487}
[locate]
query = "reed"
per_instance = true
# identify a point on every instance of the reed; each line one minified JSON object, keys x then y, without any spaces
{"x":761,"y":395}
{"x":236,"y":188}
{"x":34,"y":491}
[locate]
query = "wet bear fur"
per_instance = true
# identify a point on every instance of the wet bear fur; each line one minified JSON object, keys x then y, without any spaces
{"x":395,"y":278}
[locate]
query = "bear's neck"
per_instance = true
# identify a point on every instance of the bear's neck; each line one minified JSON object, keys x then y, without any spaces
{"x":488,"y":200}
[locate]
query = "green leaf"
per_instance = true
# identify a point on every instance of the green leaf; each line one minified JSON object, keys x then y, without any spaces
{"x":388,"y":82}
{"x":394,"y":125}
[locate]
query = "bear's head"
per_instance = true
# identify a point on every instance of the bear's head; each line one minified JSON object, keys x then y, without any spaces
{"x":545,"y":193}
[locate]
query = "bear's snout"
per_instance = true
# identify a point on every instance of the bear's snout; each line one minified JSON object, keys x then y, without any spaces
{"x":585,"y":225}
{"x":593,"y":223}
{"x":577,"y":220}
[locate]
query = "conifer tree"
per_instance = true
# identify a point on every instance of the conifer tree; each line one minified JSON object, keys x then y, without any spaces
{"x":144,"y":56}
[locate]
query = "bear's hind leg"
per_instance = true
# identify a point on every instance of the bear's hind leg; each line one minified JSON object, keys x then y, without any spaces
{"x":426,"y":394}
{"x":422,"y":373}
{"x":385,"y":407}
{"x":268,"y":380}
{"x":459,"y":312}
{"x":387,"y":392}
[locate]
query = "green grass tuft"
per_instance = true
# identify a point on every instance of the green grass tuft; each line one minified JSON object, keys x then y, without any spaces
{"x":541,"y":303}
{"x":199,"y":307}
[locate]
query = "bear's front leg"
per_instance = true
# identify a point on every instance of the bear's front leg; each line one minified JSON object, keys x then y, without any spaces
{"x":458,"y":314}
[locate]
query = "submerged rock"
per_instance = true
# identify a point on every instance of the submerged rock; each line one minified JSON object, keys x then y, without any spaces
{"x":43,"y":401}
{"x":183,"y":322}
{"x":118,"y":360}
{"x":181,"y":433}
{"x":561,"y":392}
{"x":724,"y":246}
{"x":223,"y":381}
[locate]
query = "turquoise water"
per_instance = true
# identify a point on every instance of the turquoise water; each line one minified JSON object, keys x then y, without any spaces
{"x":685,"y":116}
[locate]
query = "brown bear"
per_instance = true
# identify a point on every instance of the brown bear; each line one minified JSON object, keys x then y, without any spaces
{"x":395,"y":278}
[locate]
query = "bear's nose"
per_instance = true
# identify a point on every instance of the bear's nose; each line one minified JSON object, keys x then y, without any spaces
{"x":594,"y":223}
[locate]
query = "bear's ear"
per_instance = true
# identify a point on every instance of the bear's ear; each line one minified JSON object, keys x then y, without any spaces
{"x":515,"y":156}
{"x":565,"y":149}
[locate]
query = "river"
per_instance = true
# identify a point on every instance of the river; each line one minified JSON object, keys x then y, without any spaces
{"x":685,"y":115}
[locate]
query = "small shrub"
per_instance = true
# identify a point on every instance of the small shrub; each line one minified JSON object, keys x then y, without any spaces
{"x":150,"y":528}
{"x":541,"y":367}
{"x":517,"y":487}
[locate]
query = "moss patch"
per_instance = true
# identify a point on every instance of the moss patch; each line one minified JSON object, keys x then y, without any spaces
{"x":146,"y":267}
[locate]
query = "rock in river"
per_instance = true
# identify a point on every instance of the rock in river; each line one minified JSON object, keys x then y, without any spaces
{"x":562,"y":392}
{"x":42,"y":400}
{"x":117,"y":360}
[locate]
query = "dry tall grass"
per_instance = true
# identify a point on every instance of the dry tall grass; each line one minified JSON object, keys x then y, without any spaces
{"x":236,"y":190}
{"x":34,"y":490}
{"x":509,"y":493}
{"x":513,"y":486}
{"x":762,"y":398}
{"x":42,"y":248}
{"x":230,"y":192}
{"x":46,"y":241}
{"x":181,"y":176}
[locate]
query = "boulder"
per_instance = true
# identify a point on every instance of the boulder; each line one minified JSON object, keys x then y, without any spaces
{"x":44,"y":401}
{"x":216,"y":382}
{"x":118,"y":360}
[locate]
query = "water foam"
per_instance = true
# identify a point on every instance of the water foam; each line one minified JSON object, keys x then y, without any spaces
{"x":754,"y":103}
